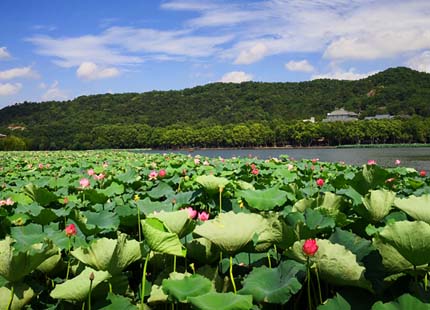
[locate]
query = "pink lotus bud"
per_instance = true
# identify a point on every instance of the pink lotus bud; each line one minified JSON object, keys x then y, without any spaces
{"x":397,"y":162}
{"x":90,"y":172}
{"x":191,"y":212}
{"x":320,"y":182}
{"x":70,"y":230}
{"x":162,"y":173}
{"x":203,"y":216}
{"x":423,"y":173}
{"x":371,"y":162}
{"x":310,"y":247}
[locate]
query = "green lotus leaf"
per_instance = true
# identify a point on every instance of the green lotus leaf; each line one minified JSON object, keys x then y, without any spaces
{"x":160,"y":239}
{"x":392,"y":260}
{"x":95,"y":195}
{"x":39,"y":194}
{"x":157,"y":295}
{"x":330,"y":203}
{"x":236,"y":232}
{"x":303,"y":204}
{"x":15,"y":265}
{"x":22,"y":295}
{"x":161,"y":190}
{"x":410,"y":239}
{"x":264,"y":200}
{"x":114,"y":189}
{"x":212,"y":183}
{"x":273,"y":285}
{"x":77,"y":289}
{"x":406,"y":301}
{"x":357,"y":245}
{"x":147,"y":206}
{"x":112,"y":255}
{"x":416,"y":207}
{"x":191,"y":286}
{"x":378,"y":204}
{"x":177,"y":222}
{"x":202,"y":250}
{"x":49,"y":264}
{"x":221,"y":301}
{"x":245,"y":185}
{"x":335,"y":303}
{"x":335,"y":263}
{"x":26,"y":236}
{"x":104,"y":219}
{"x":119,"y":302}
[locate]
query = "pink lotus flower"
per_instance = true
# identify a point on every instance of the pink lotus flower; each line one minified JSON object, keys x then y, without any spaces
{"x":423,"y":173}
{"x":162,"y":173}
{"x":196,"y":161}
{"x":7,"y":202}
{"x":314,"y":160}
{"x":84,"y":182}
{"x":255,"y":171}
{"x":320,"y":182}
{"x":99,"y":177}
{"x":191,"y":212}
{"x":310,"y":247}
{"x":153,"y":175}
{"x":371,"y":162}
{"x":90,"y":172}
{"x":290,"y":167}
{"x":203,"y":216}
{"x":70,"y":230}
{"x":205,"y":163}
{"x":397,"y":162}
{"x":40,"y":166}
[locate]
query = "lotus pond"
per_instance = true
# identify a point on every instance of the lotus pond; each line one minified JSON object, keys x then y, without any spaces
{"x":118,"y":230}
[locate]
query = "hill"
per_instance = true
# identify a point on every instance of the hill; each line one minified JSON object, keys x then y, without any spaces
{"x":397,"y":91}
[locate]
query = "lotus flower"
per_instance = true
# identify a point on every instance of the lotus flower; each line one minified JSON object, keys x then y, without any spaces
{"x":203,"y":216}
{"x":191,"y":212}
{"x":310,"y":247}
{"x":371,"y":162}
{"x":320,"y":182}
{"x":162,"y":173}
{"x":90,"y":172}
{"x":70,"y":230}
{"x":423,"y":173}
{"x":153,"y":175}
{"x":84,"y":182}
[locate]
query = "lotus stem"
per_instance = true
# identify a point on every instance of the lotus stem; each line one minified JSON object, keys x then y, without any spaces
{"x":68,"y":258}
{"x":174,"y":263}
{"x":231,"y":274}
{"x":309,"y":283}
{"x":426,"y":282}
{"x":319,"y":284}
{"x":270,"y":262}
{"x":12,"y":292}
{"x":142,"y":294}
{"x":220,"y":199}
{"x":138,"y":223}
{"x":91,"y":287}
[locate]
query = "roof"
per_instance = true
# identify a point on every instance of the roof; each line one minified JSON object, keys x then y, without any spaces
{"x":341,"y":111}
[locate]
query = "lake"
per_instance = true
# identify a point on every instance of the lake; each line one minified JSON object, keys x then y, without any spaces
{"x":415,"y":157}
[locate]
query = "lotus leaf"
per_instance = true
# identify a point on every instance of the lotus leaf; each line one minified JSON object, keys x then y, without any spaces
{"x":235,"y":232}
{"x":43,"y":196}
{"x":177,"y":222}
{"x":212,"y":183}
{"x":357,"y":245}
{"x":335,"y":263}
{"x":119,"y":302}
{"x":14,"y":266}
{"x":77,"y":289}
{"x":22,"y":296}
{"x":335,"y":303}
{"x":190,"y":286}
{"x":410,"y":239}
{"x":202,"y":250}
{"x":160,"y":239}
{"x":49,"y":264}
{"x":416,"y":207}
{"x":273,"y":285}
{"x":221,"y":301}
{"x":264,"y":200}
{"x":378,"y":204}
{"x":109,"y":254}
{"x":406,"y":301}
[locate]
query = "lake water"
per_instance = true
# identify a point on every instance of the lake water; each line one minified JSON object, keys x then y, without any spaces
{"x":415,"y":157}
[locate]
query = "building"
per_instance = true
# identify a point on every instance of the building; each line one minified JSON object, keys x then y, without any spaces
{"x":379,"y":116}
{"x":2,"y":136}
{"x":341,"y":115}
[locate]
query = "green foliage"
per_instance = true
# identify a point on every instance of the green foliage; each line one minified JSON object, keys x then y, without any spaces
{"x":213,"y":116}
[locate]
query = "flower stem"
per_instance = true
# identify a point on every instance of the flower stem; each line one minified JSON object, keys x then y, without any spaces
{"x":142,"y":294}
{"x":220,"y":199}
{"x":138,"y":223}
{"x":12,"y":292}
{"x":268,"y":258}
{"x":174,"y":263}
{"x":89,"y":295}
{"x":319,"y":284}
{"x":68,"y":258}
{"x":231,"y":274}
{"x":309,"y":283}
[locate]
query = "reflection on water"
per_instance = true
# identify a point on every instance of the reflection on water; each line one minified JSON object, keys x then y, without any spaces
{"x":415,"y":157}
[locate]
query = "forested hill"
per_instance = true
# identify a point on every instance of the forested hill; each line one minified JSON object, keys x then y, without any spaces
{"x":397,"y":91}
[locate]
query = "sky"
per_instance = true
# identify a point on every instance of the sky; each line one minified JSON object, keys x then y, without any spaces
{"x":59,"y":50}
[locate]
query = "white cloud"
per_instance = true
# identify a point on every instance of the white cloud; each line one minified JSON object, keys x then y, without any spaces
{"x":4,"y":54}
{"x":301,"y":65}
{"x":236,"y":77}
{"x":339,"y":74}
{"x":420,"y":62}
{"x":90,"y":71}
{"x":7,"y":89}
{"x":251,"y":55}
{"x":23,"y":72}
{"x":54,"y":93}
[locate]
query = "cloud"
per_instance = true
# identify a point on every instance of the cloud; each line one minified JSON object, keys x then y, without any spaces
{"x":339,"y":74}
{"x":236,"y":77}
{"x":7,"y":89}
{"x":90,"y":71}
{"x":54,"y":93}
{"x":301,"y":65}
{"x":23,"y":72}
{"x":420,"y":62}
{"x":4,"y":54}
{"x":251,"y":55}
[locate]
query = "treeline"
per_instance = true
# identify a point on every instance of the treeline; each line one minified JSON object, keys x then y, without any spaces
{"x":250,"y":134}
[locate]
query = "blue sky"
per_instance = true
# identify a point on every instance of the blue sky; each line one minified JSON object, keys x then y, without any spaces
{"x":58,"y":50}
